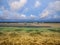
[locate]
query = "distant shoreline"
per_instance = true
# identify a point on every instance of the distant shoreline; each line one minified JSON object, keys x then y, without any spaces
{"x":29,"y":22}
{"x":30,"y":25}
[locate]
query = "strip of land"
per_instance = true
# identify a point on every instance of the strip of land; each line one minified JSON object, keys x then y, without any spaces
{"x":30,"y":24}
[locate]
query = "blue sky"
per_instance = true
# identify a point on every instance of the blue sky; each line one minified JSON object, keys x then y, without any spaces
{"x":48,"y":10}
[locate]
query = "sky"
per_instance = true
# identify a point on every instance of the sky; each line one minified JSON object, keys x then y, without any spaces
{"x":32,"y":10}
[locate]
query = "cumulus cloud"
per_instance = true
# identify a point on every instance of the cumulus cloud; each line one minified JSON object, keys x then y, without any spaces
{"x":25,"y":10}
{"x":17,"y":16}
{"x":32,"y":16}
{"x":2,"y":8}
{"x":6,"y":14}
{"x":23,"y":16}
{"x":56,"y":16}
{"x":15,"y":5}
{"x":14,"y":15}
{"x":52,"y":9}
{"x":37,"y":4}
{"x":44,"y":14}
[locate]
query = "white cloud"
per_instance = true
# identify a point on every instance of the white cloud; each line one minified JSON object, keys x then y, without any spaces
{"x":15,"y":5}
{"x":6,"y":14}
{"x":37,"y":4}
{"x":32,"y":16}
{"x":55,"y":5}
{"x":56,"y":16}
{"x":14,"y":15}
{"x":44,"y":14}
{"x":22,"y":16}
{"x":25,"y":10}
{"x":18,"y":16}
{"x":2,"y":8}
{"x":52,"y":8}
